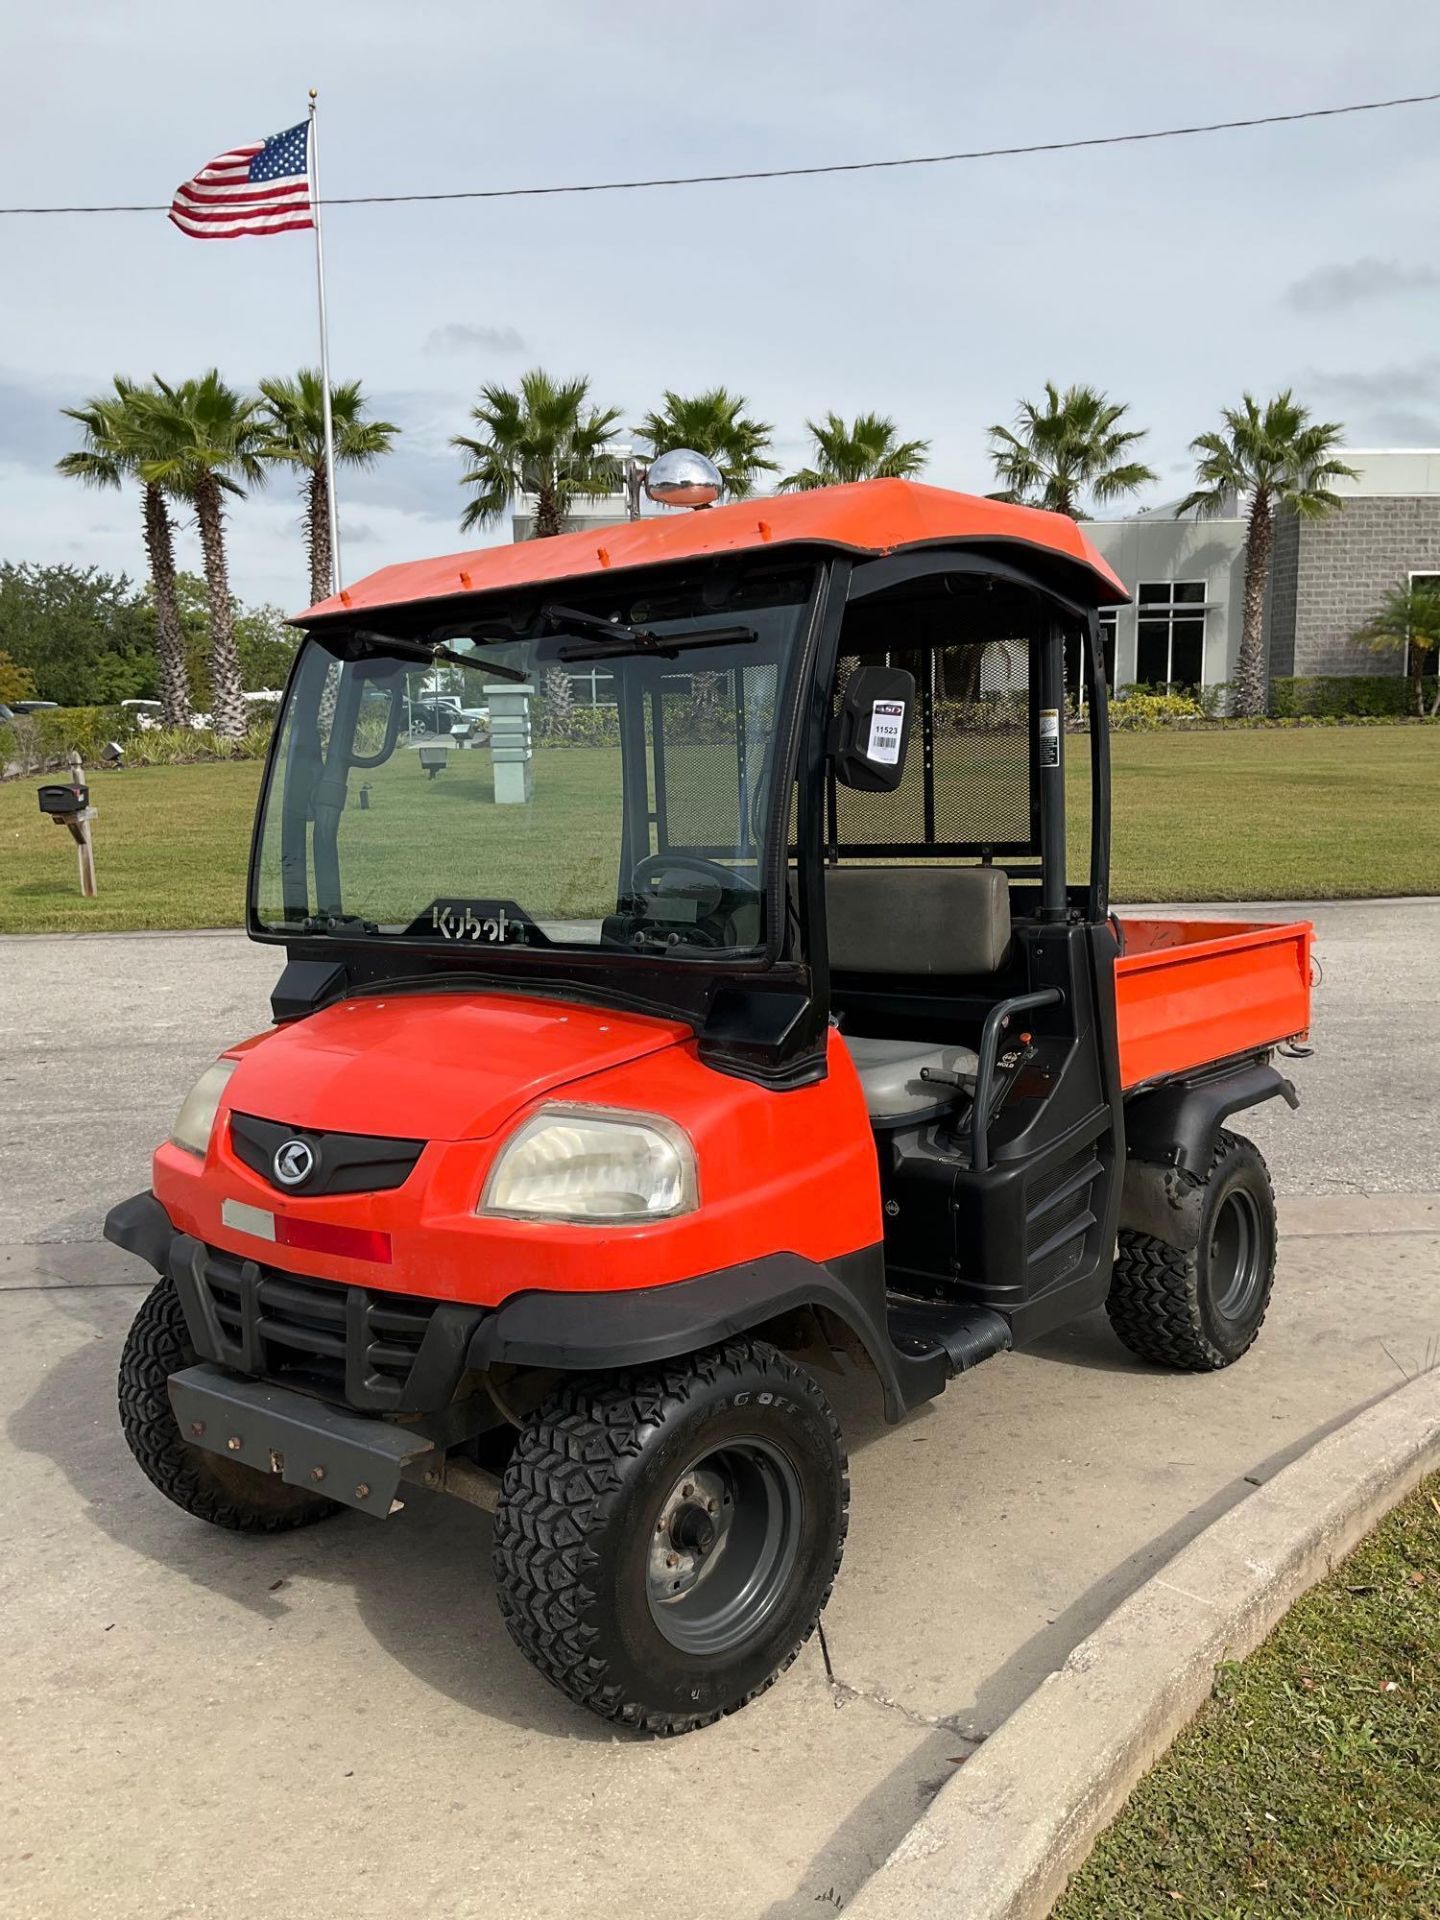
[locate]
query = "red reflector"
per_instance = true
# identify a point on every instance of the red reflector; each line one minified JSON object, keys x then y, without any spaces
{"x":352,"y":1243}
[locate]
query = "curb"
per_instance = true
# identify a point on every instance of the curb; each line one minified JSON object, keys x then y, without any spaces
{"x":1001,"y":1840}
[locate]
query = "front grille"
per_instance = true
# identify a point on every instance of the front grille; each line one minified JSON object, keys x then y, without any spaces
{"x":343,"y":1162}
{"x":379,"y":1351}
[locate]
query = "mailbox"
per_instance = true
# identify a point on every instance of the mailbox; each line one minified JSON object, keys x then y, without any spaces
{"x":64,"y":803}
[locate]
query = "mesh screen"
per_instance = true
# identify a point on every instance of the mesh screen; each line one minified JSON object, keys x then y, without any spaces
{"x":715,"y":732}
{"x":967,"y":783}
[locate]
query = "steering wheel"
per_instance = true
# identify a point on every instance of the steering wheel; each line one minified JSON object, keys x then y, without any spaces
{"x":723,"y":879}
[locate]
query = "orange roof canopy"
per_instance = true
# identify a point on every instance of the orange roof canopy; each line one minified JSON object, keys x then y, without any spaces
{"x":870,"y":516}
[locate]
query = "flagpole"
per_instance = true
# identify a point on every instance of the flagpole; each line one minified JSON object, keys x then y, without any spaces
{"x":313,"y":154}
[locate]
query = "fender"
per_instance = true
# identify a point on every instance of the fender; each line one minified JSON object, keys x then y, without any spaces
{"x":591,"y":1332}
{"x":1175,"y":1125}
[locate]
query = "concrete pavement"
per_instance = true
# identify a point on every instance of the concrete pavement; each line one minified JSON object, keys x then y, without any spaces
{"x":205,"y":1726}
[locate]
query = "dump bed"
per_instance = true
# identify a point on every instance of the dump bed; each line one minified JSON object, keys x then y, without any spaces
{"x":1189,"y":992}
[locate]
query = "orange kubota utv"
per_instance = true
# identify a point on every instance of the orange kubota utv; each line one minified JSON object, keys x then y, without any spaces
{"x":733,"y":1016}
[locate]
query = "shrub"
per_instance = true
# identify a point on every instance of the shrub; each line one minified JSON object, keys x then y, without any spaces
{"x":1138,"y":709}
{"x":594,"y":727}
{"x":43,"y":742}
{"x":183,"y":746}
{"x":1344,"y":696}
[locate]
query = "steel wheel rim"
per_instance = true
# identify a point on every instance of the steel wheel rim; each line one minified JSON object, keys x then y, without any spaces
{"x":712,"y":1595}
{"x":1237,"y":1242}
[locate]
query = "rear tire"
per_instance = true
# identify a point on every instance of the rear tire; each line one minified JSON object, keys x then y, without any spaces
{"x":667,"y":1538}
{"x":223,"y":1492}
{"x":1200,"y":1309}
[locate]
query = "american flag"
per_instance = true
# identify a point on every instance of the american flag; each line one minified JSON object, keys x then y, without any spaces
{"x":263,"y":188}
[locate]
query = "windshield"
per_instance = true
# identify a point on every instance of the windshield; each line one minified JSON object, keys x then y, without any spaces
{"x":587,"y":770}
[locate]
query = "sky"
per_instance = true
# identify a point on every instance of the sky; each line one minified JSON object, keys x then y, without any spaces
{"x":1173,"y":275}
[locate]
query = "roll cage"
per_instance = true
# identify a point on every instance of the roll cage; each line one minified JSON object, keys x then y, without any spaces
{"x":765,"y":1014}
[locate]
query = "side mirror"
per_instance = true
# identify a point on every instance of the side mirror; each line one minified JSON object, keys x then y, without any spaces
{"x":872,"y":729}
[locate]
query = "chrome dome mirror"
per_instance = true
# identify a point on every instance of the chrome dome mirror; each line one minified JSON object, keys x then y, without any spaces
{"x":682,"y":478}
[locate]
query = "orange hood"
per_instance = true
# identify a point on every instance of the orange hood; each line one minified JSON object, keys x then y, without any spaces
{"x":432,"y":1066}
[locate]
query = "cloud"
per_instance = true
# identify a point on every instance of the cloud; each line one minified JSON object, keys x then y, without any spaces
{"x":1394,"y":406}
{"x":1349,"y":283}
{"x":1395,"y":387}
{"x":459,"y":337}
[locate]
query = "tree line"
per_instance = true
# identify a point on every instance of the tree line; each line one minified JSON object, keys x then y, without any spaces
{"x":82,"y":637}
{"x":199,"y":445}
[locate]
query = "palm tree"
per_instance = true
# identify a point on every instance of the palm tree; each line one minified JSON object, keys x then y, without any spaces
{"x":209,"y":439}
{"x":1407,"y":621}
{"x":293,"y":418}
{"x":1071,"y":448}
{"x":543,"y":440}
{"x":868,"y":450}
{"x":117,"y":437}
{"x":714,"y":423}
{"x":1278,"y":458}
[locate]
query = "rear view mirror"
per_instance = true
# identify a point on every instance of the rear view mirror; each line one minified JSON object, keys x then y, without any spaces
{"x":872,"y":729}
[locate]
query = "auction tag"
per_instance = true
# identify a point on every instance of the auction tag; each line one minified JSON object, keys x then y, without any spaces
{"x":1049,"y":736}
{"x":887,"y":722}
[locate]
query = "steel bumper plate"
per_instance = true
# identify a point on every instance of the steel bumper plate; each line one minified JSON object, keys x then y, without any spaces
{"x":308,"y":1444}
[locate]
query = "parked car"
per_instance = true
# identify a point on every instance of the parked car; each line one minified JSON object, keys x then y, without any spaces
{"x":434,"y":716}
{"x":33,"y":706}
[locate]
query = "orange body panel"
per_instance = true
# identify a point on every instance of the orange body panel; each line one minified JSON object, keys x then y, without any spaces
{"x":434,"y":1066}
{"x":869,"y":516}
{"x":1188,"y":992}
{"x":778,"y":1172}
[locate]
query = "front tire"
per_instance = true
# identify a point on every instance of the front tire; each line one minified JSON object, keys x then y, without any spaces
{"x":1199,"y":1309}
{"x":667,"y":1538}
{"x":224,"y":1492}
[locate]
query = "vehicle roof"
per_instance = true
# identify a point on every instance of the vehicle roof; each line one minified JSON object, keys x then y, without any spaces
{"x":869,"y":517}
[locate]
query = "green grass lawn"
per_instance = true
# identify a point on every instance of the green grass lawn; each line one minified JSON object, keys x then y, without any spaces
{"x":1310,"y":1783}
{"x":1296,"y":814}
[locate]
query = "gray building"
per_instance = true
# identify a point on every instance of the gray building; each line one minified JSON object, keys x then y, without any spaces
{"x":1187,"y":578}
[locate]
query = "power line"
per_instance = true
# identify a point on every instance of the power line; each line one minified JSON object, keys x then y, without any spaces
{"x":805,"y":173}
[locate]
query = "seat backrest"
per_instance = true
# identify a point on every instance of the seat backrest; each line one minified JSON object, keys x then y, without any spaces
{"x":935,"y":920}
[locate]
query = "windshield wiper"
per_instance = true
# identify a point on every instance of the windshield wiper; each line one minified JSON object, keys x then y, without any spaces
{"x":611,"y":638}
{"x":423,"y":650}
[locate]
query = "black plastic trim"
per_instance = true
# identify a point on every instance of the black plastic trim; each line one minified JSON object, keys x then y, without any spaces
{"x":594,"y":1332}
{"x":1175,"y":1125}
{"x":343,"y":1162}
{"x":141,"y":1226}
{"x":566,"y":1332}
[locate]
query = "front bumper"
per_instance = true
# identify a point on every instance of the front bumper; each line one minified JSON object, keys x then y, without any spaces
{"x":308,"y":1444}
{"x":393,"y":1353}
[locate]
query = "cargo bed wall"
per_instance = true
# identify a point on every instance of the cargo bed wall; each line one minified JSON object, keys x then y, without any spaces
{"x":1189,"y":992}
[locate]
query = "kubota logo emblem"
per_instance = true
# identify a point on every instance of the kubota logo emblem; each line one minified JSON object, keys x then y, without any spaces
{"x":294,"y":1162}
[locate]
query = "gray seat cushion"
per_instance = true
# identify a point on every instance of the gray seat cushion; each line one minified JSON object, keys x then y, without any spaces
{"x":890,"y":1073}
{"x":917,"y":920}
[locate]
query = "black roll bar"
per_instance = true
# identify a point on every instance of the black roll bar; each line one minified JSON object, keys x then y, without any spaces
{"x":997,"y":1020}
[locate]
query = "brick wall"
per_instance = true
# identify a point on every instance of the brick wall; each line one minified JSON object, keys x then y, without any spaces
{"x":1336,"y":572}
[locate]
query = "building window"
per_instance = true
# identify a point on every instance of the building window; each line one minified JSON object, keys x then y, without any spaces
{"x":1077,"y":682}
{"x":1425,"y":664}
{"x":1170,"y":633}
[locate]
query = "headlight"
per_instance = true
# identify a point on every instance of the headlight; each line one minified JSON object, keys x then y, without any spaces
{"x":195,"y":1119}
{"x":590,"y":1163}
